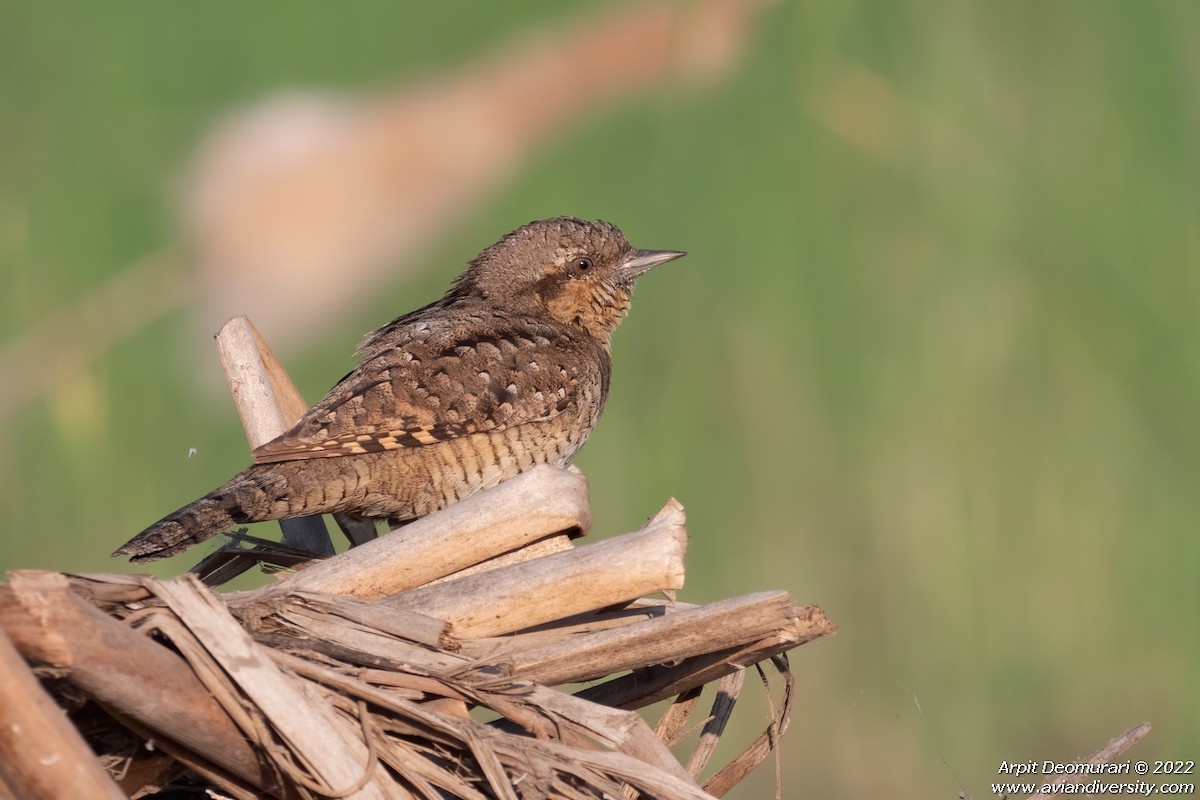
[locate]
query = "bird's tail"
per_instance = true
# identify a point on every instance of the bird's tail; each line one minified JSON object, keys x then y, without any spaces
{"x":247,"y":497}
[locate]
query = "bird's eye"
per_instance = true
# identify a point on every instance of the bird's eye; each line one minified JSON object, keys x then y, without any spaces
{"x":581,"y":264}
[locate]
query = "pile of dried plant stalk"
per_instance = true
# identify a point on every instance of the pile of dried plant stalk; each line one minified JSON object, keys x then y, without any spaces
{"x":476,"y":654}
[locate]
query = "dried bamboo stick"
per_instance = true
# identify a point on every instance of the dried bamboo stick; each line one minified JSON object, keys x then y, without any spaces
{"x":530,"y":507}
{"x":694,"y":632}
{"x":642,"y":687}
{"x":268,"y":404}
{"x":574,"y":626}
{"x":334,"y":753}
{"x":123,"y":670}
{"x":333,"y":635}
{"x":42,"y":757}
{"x":543,"y":547}
{"x":408,"y":625}
{"x":583,"y":579}
{"x":267,"y":400}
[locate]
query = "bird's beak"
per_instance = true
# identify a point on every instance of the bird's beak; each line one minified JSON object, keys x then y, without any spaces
{"x":640,"y":261}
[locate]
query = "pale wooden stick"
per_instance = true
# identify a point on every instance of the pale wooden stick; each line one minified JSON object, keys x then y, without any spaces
{"x":269,"y":405}
{"x":530,"y":507}
{"x":42,"y":756}
{"x":408,"y":625}
{"x":582,"y":579}
{"x":267,"y":400}
{"x":572,"y":627}
{"x":543,"y":547}
{"x":697,"y":631}
{"x":323,"y":741}
{"x":648,"y":685}
{"x":331,"y":633}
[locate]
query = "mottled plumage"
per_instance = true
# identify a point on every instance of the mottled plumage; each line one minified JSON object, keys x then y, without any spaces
{"x":509,"y":369}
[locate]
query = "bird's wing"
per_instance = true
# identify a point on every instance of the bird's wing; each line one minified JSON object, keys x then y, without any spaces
{"x":429,"y":389}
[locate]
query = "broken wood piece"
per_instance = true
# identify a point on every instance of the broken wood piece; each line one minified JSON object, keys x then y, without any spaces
{"x":532,"y":506}
{"x":267,"y":401}
{"x":642,"y":687}
{"x":667,"y":639}
{"x":572,"y":627}
{"x":543,"y":547}
{"x":368,"y":634}
{"x":409,"y":625}
{"x":544,"y":589}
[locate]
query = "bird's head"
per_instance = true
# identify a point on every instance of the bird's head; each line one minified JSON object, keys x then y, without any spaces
{"x":580,"y":273}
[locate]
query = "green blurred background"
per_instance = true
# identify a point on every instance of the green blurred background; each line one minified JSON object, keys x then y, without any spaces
{"x":932,"y":362}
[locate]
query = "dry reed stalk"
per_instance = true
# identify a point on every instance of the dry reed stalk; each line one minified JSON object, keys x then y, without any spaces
{"x":522,"y":595}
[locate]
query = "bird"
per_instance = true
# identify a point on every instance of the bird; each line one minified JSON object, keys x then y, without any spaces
{"x":509,"y":369}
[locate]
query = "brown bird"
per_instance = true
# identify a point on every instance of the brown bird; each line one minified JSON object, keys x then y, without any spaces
{"x":508,"y":370}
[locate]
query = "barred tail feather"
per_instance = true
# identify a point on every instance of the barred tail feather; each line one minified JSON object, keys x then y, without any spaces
{"x":246,"y":498}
